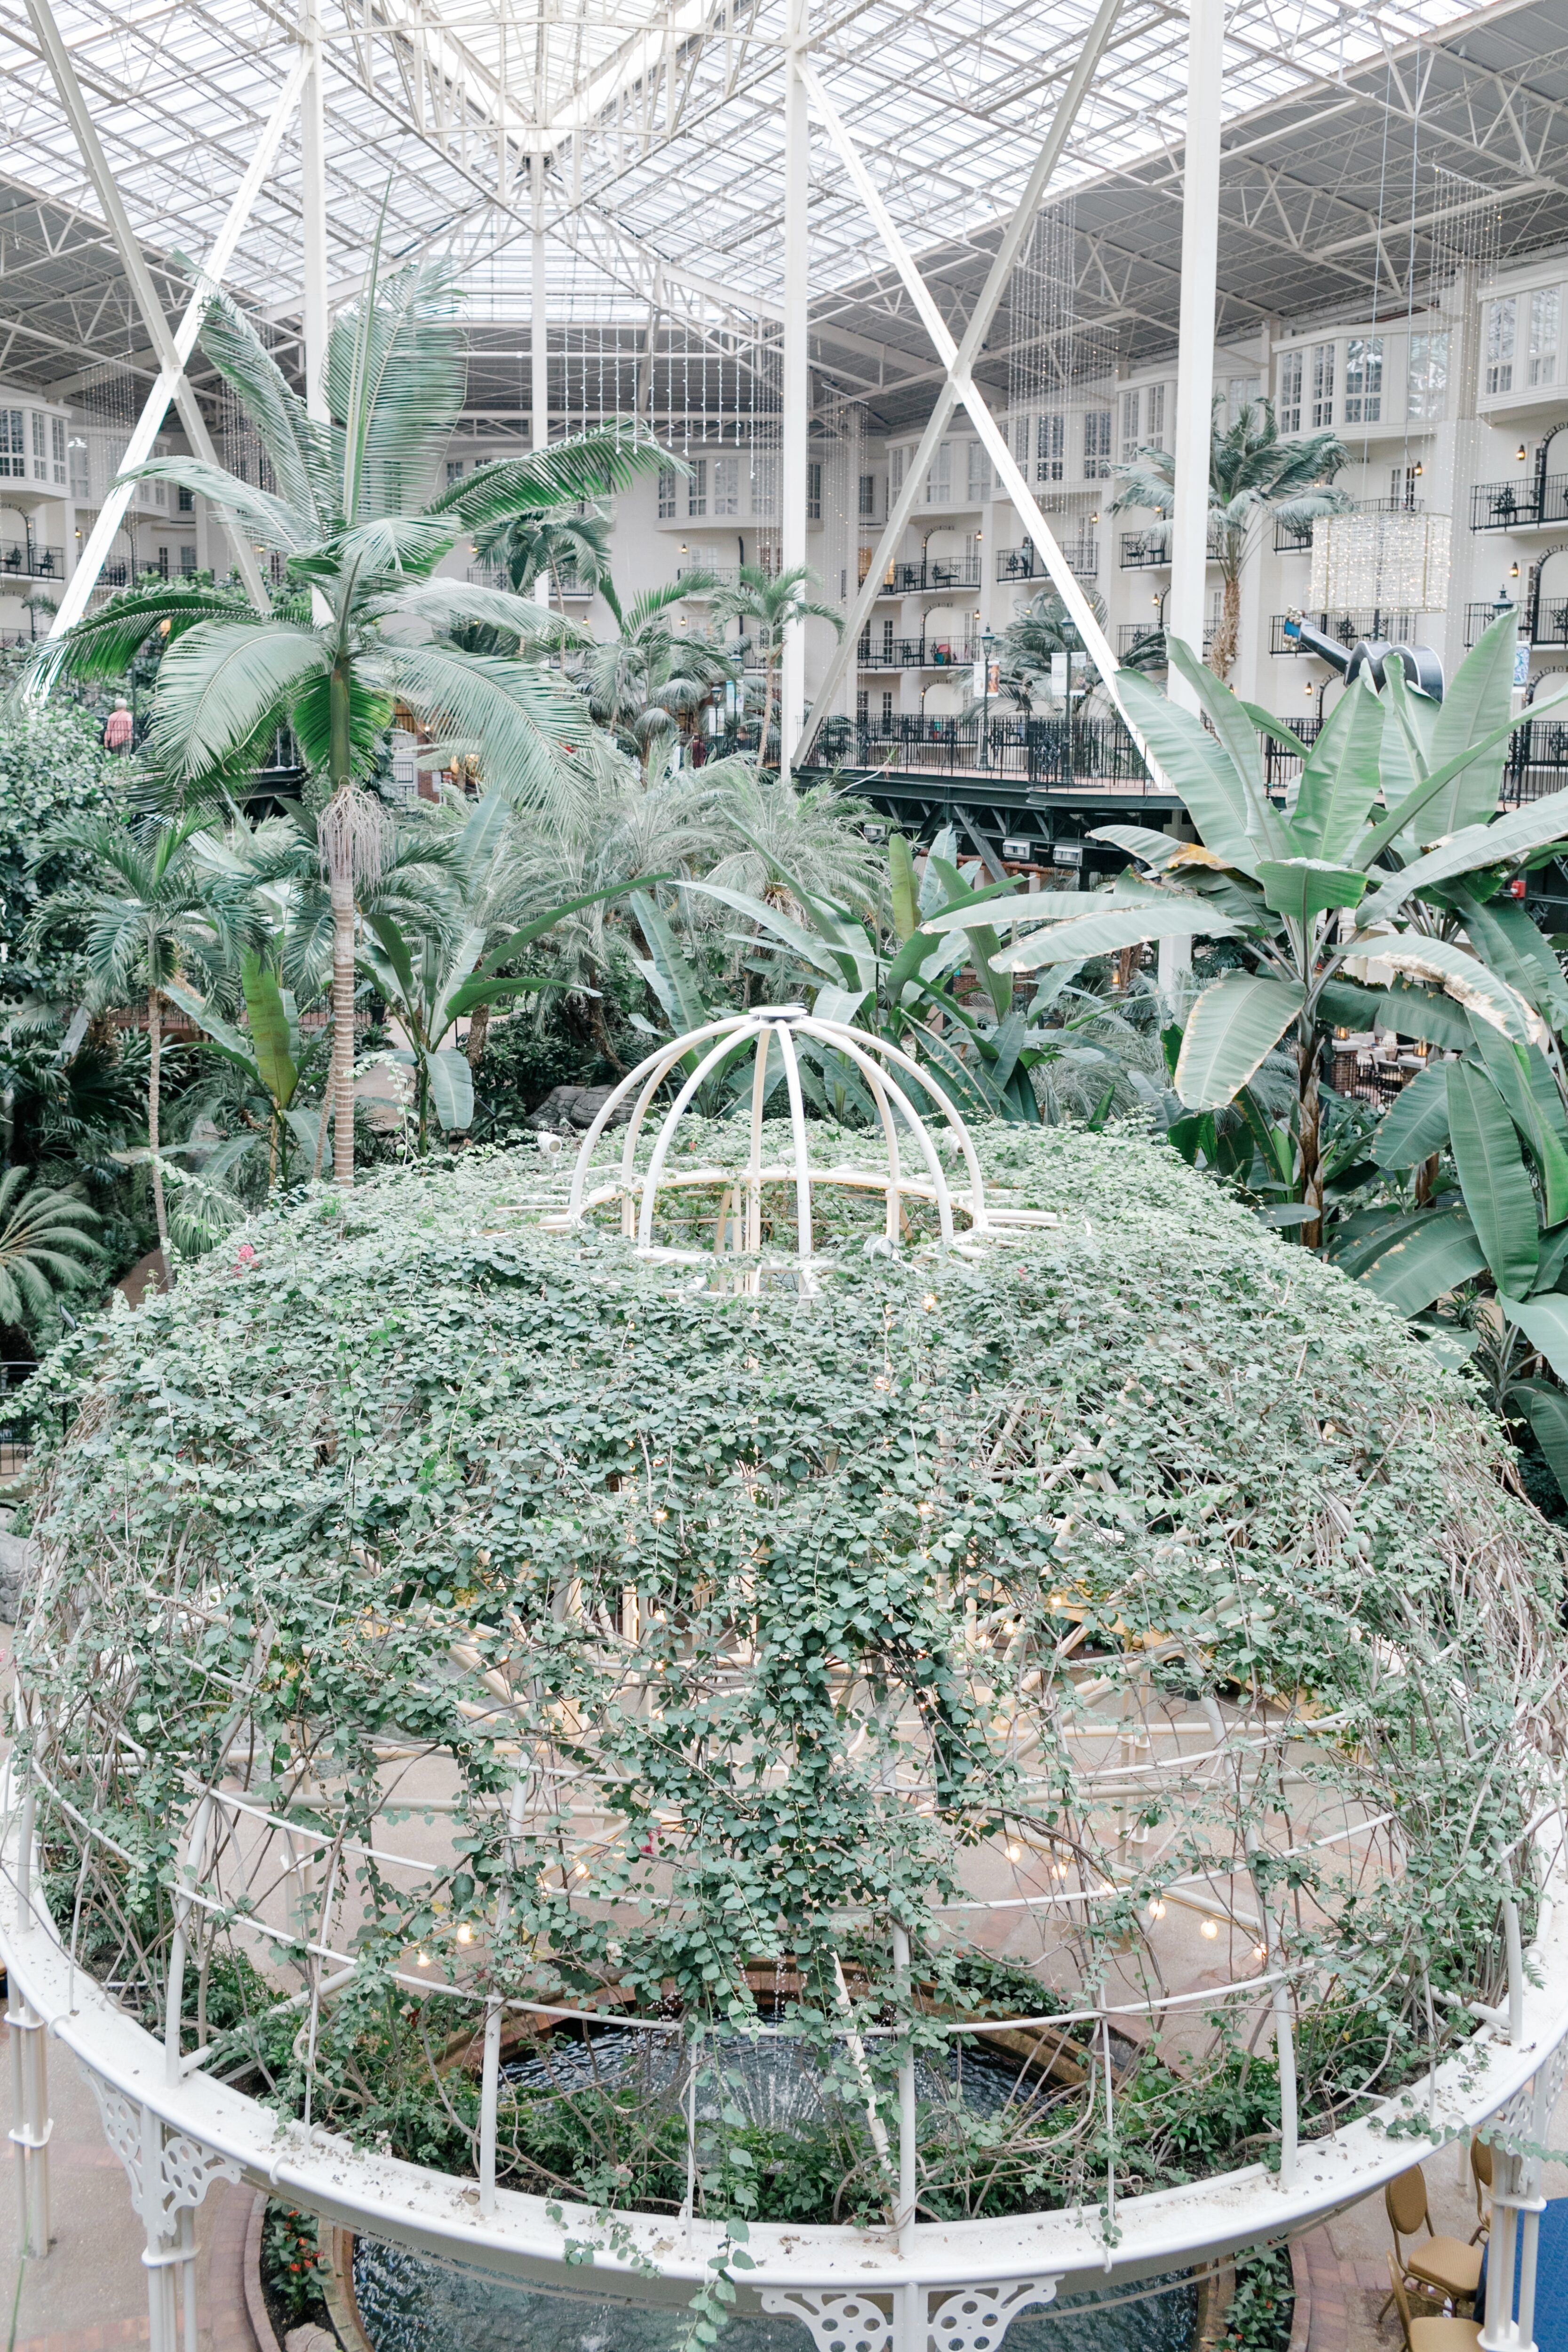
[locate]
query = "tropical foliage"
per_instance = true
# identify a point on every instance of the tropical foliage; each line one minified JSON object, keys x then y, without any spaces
{"x":1253,"y":473}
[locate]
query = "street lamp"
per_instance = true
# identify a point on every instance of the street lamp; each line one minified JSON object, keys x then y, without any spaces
{"x":987,"y":639}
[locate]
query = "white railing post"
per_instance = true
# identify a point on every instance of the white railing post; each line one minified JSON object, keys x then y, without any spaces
{"x":495,"y":2011}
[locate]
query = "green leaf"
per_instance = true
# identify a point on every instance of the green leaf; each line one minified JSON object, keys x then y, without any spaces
{"x":1493,"y":1178}
{"x":1530,"y":828}
{"x":1545,"y":1323}
{"x":1340,"y":777}
{"x":1521,"y":1078}
{"x":1554,"y":1258}
{"x":451,"y":1087}
{"x":1201,"y":770}
{"x":1230,"y":1030}
{"x":1416,"y":1123}
{"x":1155,"y":849}
{"x":230,"y":1042}
{"x":1466,"y":979}
{"x":1098,"y":935}
{"x":269,"y":1018}
{"x":515,"y":944}
{"x":1508,"y":938}
{"x":902,"y":865}
{"x":676,"y":983}
{"x":1300,"y":887}
{"x":1433,"y":1253}
{"x":1234,"y":727}
{"x":1546,"y":1408}
{"x":1411,"y":1012}
{"x":221,"y":683}
{"x":395,"y":947}
{"x":1477,"y":702}
{"x":475,"y":992}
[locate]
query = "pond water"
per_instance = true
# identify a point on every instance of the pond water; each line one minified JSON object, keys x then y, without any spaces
{"x":410,"y":2304}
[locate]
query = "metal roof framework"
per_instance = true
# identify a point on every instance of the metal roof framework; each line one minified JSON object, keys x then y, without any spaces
{"x":658,"y":129}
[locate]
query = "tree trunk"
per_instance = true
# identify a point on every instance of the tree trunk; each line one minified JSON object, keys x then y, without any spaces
{"x":341,"y":1089}
{"x":154,"y":1083}
{"x":1426,"y":1177}
{"x":479,"y":1030}
{"x":1309,"y":1132}
{"x":1222,"y":653}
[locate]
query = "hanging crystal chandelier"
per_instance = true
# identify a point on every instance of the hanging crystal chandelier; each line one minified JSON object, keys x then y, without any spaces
{"x":1381,"y":563}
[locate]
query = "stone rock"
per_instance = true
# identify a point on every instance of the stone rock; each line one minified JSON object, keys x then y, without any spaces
{"x":17,"y":1571}
{"x":310,"y":2338}
{"x":568,"y":1108}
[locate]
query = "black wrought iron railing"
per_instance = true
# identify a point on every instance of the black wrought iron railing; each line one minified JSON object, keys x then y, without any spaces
{"x":1509,"y":506}
{"x":1038,"y":752}
{"x":1026,"y":562}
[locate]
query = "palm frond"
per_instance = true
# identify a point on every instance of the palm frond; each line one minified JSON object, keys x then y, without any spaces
{"x":395,"y":375}
{"x":104,"y":643}
{"x":437,"y":604}
{"x":274,"y":521}
{"x":298,"y":448}
{"x":591,"y":465}
{"x":535,"y":733}
{"x":220,"y":686}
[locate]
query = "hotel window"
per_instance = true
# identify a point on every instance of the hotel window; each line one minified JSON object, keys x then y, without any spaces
{"x":667,"y":479}
{"x":868,"y":497}
{"x":939,"y":480}
{"x":1240,"y":392}
{"x":697,"y":487}
{"x":1156,"y":421}
{"x":1543,"y":314}
{"x":887,"y":714}
{"x":40,"y":446}
{"x":1291,"y":393}
{"x":455,"y":470}
{"x":896,"y":470}
{"x":813,"y":490}
{"x":13,"y":446}
{"x":1050,"y":448}
{"x":58,"y":445}
{"x":726,"y":486}
{"x":1364,"y":380}
{"x":1097,"y":444}
{"x":979,"y":474}
{"x":187,"y":562}
{"x":1323,"y":385}
{"x":862,"y":708}
{"x":1426,"y":380}
{"x":1132,"y":425}
{"x":185,"y":499}
{"x":765,"y":486}
{"x":1501,"y":318}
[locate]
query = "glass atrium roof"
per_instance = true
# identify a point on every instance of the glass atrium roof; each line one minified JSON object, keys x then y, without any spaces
{"x":659,"y":133}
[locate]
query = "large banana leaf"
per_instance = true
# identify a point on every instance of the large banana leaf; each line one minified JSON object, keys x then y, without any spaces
{"x":1341,"y":778}
{"x":1530,"y":828}
{"x":269,"y":1026}
{"x":231,"y":1043}
{"x":1230,"y":1030}
{"x":1200,"y":768}
{"x":1098,"y":935}
{"x":451,"y":1088}
{"x":1466,"y":979}
{"x":1416,"y":1124}
{"x":1508,"y":938}
{"x":1477,"y":702}
{"x":1232,"y":726}
{"x":905,"y":886}
{"x":1545,"y":1323}
{"x":1547,"y":1409}
{"x":1044,"y":905}
{"x":1302,"y":888}
{"x":1521,"y":1078}
{"x":1411,"y":1012}
{"x":671,"y":976}
{"x":1433,"y":1253}
{"x":1493,"y":1178}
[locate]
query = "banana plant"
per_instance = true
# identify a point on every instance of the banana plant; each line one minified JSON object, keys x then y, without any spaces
{"x":1392,"y":809}
{"x":268,"y":1051}
{"x":430,"y":983}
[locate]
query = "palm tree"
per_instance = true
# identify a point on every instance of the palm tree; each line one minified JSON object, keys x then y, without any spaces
{"x":768,"y":829}
{"x":769,"y":604}
{"x":1252,"y":472}
{"x":351,"y":521}
{"x":1032,"y":641}
{"x":151,"y":916}
{"x":566,"y":545}
{"x":42,"y":1245}
{"x":648,"y":685}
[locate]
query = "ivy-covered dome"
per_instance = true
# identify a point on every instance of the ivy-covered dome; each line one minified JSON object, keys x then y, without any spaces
{"x":491,"y":1694}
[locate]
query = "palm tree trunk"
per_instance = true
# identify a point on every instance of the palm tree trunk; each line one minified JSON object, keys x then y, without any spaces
{"x":342,"y":1091}
{"x":1222,"y":653}
{"x":479,"y":1030}
{"x":1309,"y":1140}
{"x":154,"y":1083}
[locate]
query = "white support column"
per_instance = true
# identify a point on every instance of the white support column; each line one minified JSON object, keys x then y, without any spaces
{"x":1187,"y":604}
{"x":797,"y":372}
{"x":314,"y":213}
{"x":101,"y":539}
{"x":31,"y":2124}
{"x":1185,"y":607}
{"x":539,"y":344}
{"x":902,"y":506}
{"x":134,"y":263}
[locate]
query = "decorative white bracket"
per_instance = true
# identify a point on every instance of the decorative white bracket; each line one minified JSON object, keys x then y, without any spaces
{"x":185,"y":2170}
{"x":971,"y":2319}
